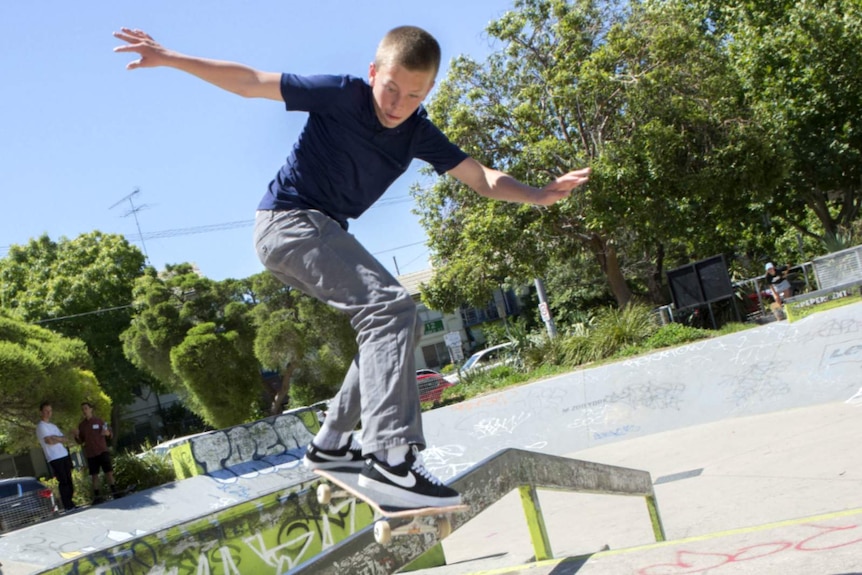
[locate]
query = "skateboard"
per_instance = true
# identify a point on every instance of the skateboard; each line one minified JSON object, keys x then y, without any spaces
{"x":347,"y":485}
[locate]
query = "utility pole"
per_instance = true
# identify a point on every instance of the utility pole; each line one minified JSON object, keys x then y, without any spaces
{"x":134,"y":212}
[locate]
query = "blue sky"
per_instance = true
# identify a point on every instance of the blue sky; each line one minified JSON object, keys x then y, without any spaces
{"x":78,"y":132}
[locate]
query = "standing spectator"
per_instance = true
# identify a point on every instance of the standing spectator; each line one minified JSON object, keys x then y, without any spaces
{"x":53,"y":443}
{"x":93,"y":432}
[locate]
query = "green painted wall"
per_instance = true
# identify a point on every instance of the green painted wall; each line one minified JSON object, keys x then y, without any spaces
{"x":267,"y":536}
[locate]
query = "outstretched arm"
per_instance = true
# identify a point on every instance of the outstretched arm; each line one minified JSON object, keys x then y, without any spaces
{"x":501,"y":186}
{"x":230,"y":76}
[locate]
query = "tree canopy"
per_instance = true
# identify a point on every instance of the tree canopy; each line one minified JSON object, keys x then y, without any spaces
{"x":38,"y":365}
{"x":694,"y":136}
{"x":799,"y":67}
{"x":81,"y":288}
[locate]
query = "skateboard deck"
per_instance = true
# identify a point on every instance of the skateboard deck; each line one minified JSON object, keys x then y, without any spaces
{"x":348,"y":482}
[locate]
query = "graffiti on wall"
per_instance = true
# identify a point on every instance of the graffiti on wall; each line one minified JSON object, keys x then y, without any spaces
{"x":254,"y":447}
{"x":270,"y":535}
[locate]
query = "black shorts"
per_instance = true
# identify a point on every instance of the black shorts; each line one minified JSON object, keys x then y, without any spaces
{"x":101,"y":461}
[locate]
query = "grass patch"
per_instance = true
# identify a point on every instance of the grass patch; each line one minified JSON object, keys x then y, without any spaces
{"x":796,"y":313}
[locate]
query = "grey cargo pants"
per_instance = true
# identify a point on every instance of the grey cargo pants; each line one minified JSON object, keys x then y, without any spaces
{"x":309,"y":251}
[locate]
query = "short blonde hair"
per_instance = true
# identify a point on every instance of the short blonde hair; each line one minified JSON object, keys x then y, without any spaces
{"x":410,"y":47}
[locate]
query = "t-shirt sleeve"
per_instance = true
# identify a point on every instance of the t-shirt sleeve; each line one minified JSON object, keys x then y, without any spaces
{"x":311,"y":93}
{"x":435,"y":148}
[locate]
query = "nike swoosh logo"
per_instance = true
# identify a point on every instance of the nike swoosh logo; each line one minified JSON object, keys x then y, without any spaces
{"x":346,"y":457}
{"x":407,"y":482}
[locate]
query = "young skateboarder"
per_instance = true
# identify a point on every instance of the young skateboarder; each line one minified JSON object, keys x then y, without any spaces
{"x":359,"y":137}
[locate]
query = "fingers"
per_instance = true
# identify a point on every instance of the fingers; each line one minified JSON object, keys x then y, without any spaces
{"x":582,"y":172}
{"x":134,"y":39}
{"x":133,"y":34}
{"x":572,"y":179}
{"x":142,"y":43}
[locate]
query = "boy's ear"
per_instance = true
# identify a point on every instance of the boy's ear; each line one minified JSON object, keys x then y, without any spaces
{"x":372,"y":73}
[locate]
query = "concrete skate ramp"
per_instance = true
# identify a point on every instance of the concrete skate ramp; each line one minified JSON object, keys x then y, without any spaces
{"x":247,"y":509}
{"x":765,"y":369}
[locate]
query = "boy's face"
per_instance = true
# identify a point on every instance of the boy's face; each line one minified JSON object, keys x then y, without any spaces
{"x":397,"y":92}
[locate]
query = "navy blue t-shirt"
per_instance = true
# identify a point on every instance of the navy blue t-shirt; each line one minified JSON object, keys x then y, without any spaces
{"x":345,"y":159}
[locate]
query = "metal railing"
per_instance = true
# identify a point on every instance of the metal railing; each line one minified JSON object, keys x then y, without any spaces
{"x":839,"y":268}
{"x":480,"y":487}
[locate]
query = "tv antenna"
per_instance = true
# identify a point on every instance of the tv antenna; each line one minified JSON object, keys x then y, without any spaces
{"x":133,"y":211}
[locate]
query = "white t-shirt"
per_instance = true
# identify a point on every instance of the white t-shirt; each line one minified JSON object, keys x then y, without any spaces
{"x":55,"y":451}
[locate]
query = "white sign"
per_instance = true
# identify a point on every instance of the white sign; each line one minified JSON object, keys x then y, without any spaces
{"x":544,"y":311}
{"x":452,"y":339}
{"x":456,"y":354}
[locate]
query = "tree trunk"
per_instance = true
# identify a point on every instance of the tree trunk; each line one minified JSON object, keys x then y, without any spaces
{"x":654,"y":283}
{"x":606,"y":256}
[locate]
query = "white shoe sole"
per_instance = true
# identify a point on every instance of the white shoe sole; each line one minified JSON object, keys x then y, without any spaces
{"x":400,"y":497}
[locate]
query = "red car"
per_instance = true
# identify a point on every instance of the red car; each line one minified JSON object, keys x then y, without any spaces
{"x":431,"y":385}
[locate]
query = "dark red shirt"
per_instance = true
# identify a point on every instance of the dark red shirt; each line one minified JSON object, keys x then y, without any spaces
{"x":90,"y":434}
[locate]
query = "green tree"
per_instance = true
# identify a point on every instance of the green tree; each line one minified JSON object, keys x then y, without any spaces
{"x":646,"y":96}
{"x":308,"y":343}
{"x":194,"y":336}
{"x":38,"y":365}
{"x":800,"y":68}
{"x":81,"y":288}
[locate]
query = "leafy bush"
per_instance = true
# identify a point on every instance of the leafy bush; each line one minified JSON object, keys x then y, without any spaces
{"x":617,"y":328}
{"x":578,"y":349}
{"x":543,"y":351}
{"x":148,"y":470}
{"x":674,"y":334}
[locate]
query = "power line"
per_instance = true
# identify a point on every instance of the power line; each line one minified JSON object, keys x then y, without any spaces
{"x":171,"y":233}
{"x":192,"y":230}
{"x":103,"y":310}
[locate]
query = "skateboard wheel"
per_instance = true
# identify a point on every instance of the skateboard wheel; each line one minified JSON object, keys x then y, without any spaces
{"x":324,"y":494}
{"x":382,"y":532}
{"x":444,"y":527}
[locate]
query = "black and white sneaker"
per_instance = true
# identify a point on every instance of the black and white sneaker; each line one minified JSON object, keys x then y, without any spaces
{"x":348,"y":457}
{"x":408,"y":485}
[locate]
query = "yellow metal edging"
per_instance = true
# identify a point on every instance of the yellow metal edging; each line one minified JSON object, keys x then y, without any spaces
{"x":536,"y":522}
{"x":655,"y":519}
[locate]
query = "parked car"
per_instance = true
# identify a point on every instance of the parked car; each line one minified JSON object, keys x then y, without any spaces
{"x":431,"y":385}
{"x":24,"y":500}
{"x":485,"y":359}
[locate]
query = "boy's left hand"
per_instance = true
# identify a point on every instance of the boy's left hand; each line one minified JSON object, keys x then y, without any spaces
{"x":563,"y":186}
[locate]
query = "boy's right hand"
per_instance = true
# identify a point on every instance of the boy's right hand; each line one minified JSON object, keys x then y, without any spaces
{"x":152,"y":53}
